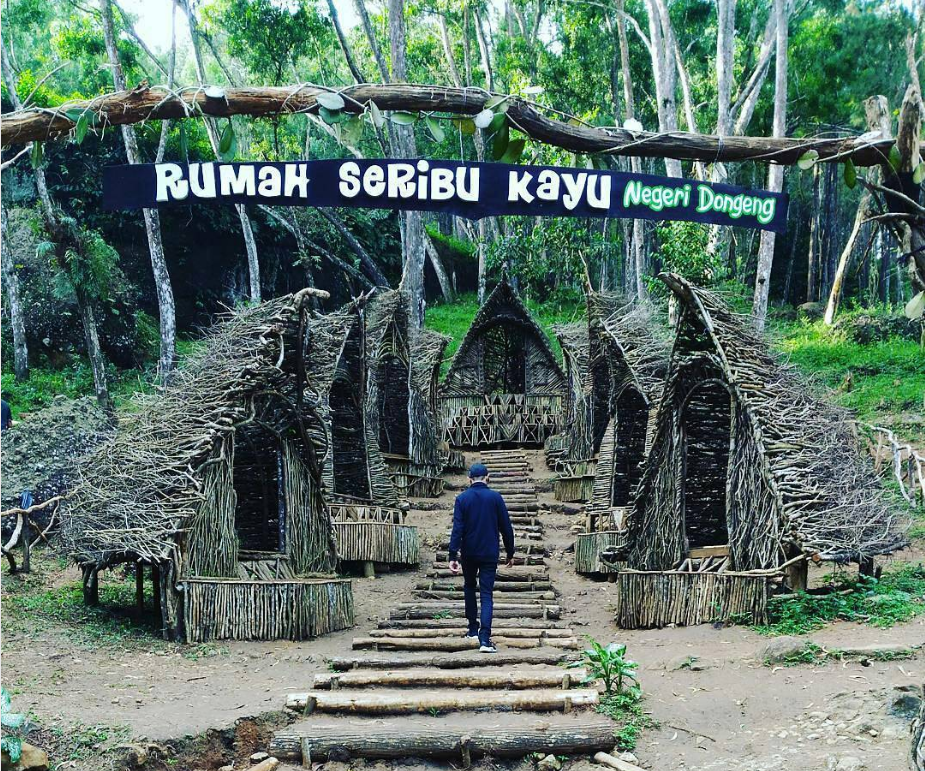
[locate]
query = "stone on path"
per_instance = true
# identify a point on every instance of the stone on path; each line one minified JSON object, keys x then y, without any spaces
{"x":782,"y":649}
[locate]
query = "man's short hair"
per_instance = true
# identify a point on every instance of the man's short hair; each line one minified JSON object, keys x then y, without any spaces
{"x":478,"y":471}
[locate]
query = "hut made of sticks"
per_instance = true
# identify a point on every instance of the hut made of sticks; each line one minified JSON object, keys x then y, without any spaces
{"x":748,"y":477}
{"x":369,"y":527}
{"x":218,"y":484}
{"x":404,"y":366}
{"x":504,"y":385}
{"x":628,"y":356}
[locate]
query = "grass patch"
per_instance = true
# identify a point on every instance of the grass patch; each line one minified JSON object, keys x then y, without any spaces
{"x":898,"y":596}
{"x":626,"y":709}
{"x":454,"y":319}
{"x":879,"y":380}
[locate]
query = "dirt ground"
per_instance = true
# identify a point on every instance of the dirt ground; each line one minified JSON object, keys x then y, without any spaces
{"x":729,"y":712}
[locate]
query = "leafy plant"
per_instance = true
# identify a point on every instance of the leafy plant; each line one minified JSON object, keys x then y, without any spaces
{"x":610,"y":665}
{"x":626,"y":710}
{"x":11,"y":745}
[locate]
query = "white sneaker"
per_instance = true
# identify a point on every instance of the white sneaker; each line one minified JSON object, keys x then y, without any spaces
{"x":471,"y":635}
{"x":488,"y":647}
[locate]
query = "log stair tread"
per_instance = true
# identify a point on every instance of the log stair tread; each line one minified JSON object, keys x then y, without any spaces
{"x":489,"y":677}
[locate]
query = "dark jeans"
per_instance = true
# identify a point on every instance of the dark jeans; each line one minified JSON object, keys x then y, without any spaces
{"x":485,"y":573}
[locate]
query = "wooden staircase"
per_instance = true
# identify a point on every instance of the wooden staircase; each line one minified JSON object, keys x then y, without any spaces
{"x":417,"y":663}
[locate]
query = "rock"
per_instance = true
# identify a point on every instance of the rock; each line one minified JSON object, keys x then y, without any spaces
{"x":549,"y":763}
{"x":905,"y":705}
{"x":628,"y":757}
{"x":269,"y":764}
{"x":32,"y":759}
{"x":229,"y":767}
{"x":811,"y":310}
{"x":881,"y":651}
{"x":258,"y":756}
{"x":850,"y":763}
{"x":782,"y":649}
{"x":693,"y":663}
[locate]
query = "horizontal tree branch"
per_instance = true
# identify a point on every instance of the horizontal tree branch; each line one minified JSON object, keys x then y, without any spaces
{"x":158,"y":103}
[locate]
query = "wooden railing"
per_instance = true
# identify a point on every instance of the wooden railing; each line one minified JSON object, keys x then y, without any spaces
{"x":905,"y":463}
{"x":24,"y":529}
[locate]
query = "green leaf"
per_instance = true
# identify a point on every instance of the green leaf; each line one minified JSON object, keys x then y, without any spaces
{"x":351,"y":131}
{"x":514,"y":150}
{"x":851,"y":174}
{"x":5,"y":701}
{"x":403,"y":118}
{"x":38,"y":153}
{"x":184,"y":141}
{"x":80,"y":130}
{"x":466,"y":125}
{"x":918,"y":174}
{"x":498,"y":121}
{"x":916,"y":306}
{"x":12,"y":745}
{"x":484,"y":118}
{"x":331,"y":101}
{"x":227,"y":143}
{"x":808,"y":159}
{"x":332,"y":117}
{"x":436,"y":130}
{"x":500,"y":142}
{"x":895,"y":158}
{"x":376,"y":114}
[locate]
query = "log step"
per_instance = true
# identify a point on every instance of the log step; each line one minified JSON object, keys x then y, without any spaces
{"x":377,"y":741}
{"x":470,"y":678}
{"x":407,"y":703}
{"x":504,"y":574}
{"x":459,"y":626}
{"x":532,"y":559}
{"x":458,"y":643}
{"x":456,"y":631}
{"x":500,"y":586}
{"x":502,"y":610}
{"x":457,"y":594}
{"x":451,"y":660}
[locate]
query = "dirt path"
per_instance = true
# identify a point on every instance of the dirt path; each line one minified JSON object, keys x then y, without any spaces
{"x":735,"y":713}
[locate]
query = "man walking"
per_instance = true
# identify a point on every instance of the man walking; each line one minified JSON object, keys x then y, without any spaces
{"x":479,"y":518}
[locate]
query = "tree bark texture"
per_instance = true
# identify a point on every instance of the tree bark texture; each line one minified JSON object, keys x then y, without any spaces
{"x":163,"y":288}
{"x":129,"y":107}
{"x":776,"y":173}
{"x":13,"y":305}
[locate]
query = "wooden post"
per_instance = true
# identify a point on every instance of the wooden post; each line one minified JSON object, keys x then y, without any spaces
{"x":156,"y":583}
{"x":798,"y":576}
{"x":26,"y":544}
{"x":140,"y":586}
{"x":369,"y":570}
{"x":91,"y":585}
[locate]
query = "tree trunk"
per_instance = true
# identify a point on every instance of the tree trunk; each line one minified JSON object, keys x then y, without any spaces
{"x":665,"y":72}
{"x":94,"y":351}
{"x":250,"y":244}
{"x":776,"y":173}
{"x":484,"y":56}
{"x":371,"y":39}
{"x":446,"y":287}
{"x":165,"y":301}
{"x":412,"y":278}
{"x":812,"y":269}
{"x":366,"y":260}
{"x":11,"y":285}
{"x":878,"y":119}
{"x":908,"y":142}
{"x":344,"y":45}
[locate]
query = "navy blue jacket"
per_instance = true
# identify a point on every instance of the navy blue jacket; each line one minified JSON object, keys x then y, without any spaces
{"x":479,"y":516}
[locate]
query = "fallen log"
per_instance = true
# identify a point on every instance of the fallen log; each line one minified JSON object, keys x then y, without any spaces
{"x":410,"y":703}
{"x":620,"y":765}
{"x":319,"y":744}
{"x":449,"y":661}
{"x":518,"y":680}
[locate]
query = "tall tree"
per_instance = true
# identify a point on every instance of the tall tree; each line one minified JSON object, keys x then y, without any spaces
{"x":13,"y":304}
{"x":776,"y":172}
{"x":247,"y":231}
{"x":166,"y":307}
{"x":412,"y":277}
{"x":74,"y":262}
